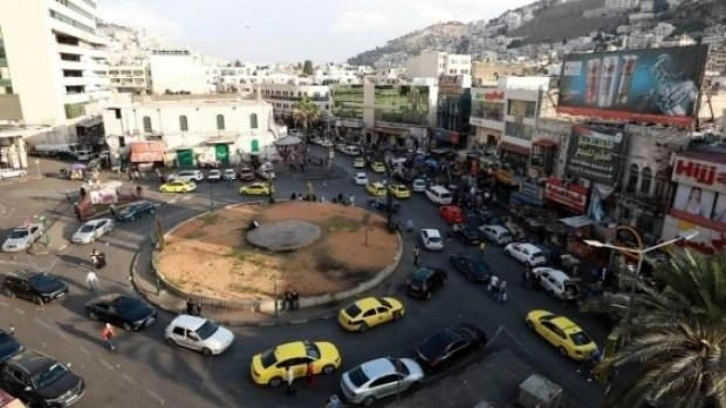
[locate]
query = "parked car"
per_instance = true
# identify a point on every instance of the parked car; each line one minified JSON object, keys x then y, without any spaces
{"x":92,"y":230}
{"x":268,"y":367}
{"x":246,"y":173}
{"x":257,"y":189}
{"x":380,"y":378}
{"x":135,"y":211}
{"x":9,"y":346}
{"x":557,"y":283}
{"x":474,"y":268}
{"x":266,"y":171}
{"x":418,"y":185}
{"x":41,"y":380}
{"x":467,"y":233}
{"x":37,"y":287}
{"x":527,"y":254}
{"x":569,"y":339}
{"x":359,"y":163}
{"x":452,"y":214}
{"x":214,"y":175}
{"x":188,"y":175}
{"x":370,"y":312}
{"x":22,"y":238}
{"x":229,"y":175}
{"x":399,"y":191}
{"x":176,"y":186}
{"x":431,"y":239}
{"x":423,"y":282}
{"x":130,"y":313}
{"x":445,"y":346}
{"x":12,"y":173}
{"x":381,"y":204}
{"x":378,"y":167}
{"x":376,"y":189}
{"x":497,"y":234}
{"x":360,"y":179}
{"x":198,"y":333}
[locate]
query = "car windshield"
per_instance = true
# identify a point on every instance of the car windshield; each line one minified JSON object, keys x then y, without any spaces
{"x":17,"y":234}
{"x":352,"y":310}
{"x":384,"y":302}
{"x":434,"y":239}
{"x":437,"y":344}
{"x":401,"y":368}
{"x":207,"y":329}
{"x":49,"y":376}
{"x":421,"y":275}
{"x":268,"y":358}
{"x":41,"y":280}
{"x":580,"y":338}
{"x":312,"y":351}
{"x":127,"y":305}
{"x":87,"y":228}
{"x":537,"y":255}
{"x":357,"y":377}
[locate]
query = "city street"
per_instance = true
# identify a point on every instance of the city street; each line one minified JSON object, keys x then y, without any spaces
{"x":145,"y":372}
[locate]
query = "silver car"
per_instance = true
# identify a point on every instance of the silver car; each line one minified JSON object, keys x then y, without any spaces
{"x":92,"y":230}
{"x":200,"y":334}
{"x":380,"y":378}
{"x":22,"y":238}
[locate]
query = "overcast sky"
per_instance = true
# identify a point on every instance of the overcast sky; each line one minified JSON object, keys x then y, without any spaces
{"x":292,"y":30}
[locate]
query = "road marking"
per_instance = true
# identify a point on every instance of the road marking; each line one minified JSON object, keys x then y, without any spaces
{"x":106,"y":364}
{"x":129,"y":379}
{"x":19,"y":311}
{"x":156,"y":397}
{"x":84,"y":350}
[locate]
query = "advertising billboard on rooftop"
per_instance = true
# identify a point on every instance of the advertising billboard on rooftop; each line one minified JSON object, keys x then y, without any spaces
{"x":658,"y":85}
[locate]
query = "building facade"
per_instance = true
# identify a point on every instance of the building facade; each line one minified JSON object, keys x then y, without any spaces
{"x":129,"y":78}
{"x":175,"y":70}
{"x":284,"y":98}
{"x":53,"y":65}
{"x":453,"y":113}
{"x":432,"y":64}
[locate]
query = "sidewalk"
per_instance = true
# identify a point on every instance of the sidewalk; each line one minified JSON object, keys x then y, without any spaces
{"x":144,"y":281}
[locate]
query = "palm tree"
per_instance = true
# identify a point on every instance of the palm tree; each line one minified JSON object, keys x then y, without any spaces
{"x":679,"y":338}
{"x":306,"y":113}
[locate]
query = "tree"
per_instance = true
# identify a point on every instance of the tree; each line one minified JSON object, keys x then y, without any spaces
{"x":237,"y":63}
{"x":679,"y":337}
{"x":306,"y":113}
{"x":307,"y":69}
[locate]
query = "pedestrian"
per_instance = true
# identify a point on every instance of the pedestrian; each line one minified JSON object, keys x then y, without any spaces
{"x":92,"y":281}
{"x":286,"y":300}
{"x":351,"y":200}
{"x":310,"y":375}
{"x":502,"y":295}
{"x":526,"y":275}
{"x":290,"y":380}
{"x":294,"y":300}
{"x":493,"y":285}
{"x":112,"y":210}
{"x":409,"y":226}
{"x":416,"y":255}
{"x":322,"y":199}
{"x":334,"y":402}
{"x":107,"y":335}
{"x":483,"y":247}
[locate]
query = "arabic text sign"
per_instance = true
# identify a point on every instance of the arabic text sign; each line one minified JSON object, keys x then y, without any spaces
{"x":596,"y":153}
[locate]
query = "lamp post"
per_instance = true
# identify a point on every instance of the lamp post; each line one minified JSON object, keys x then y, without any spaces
{"x":211,"y":196}
{"x":641,"y":256}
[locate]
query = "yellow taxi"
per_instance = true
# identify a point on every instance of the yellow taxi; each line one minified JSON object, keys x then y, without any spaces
{"x":400,"y":191}
{"x":268,"y":367}
{"x":258,"y":189}
{"x":563,"y":333}
{"x":359,"y":163}
{"x":376,"y":189}
{"x":178,"y":186}
{"x":370,"y":312}
{"x":378,"y":167}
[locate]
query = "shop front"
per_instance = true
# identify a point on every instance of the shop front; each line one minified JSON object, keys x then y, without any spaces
{"x":350,"y":130}
{"x":572,"y":198}
{"x":393,"y":136}
{"x":530,"y":193}
{"x":514,"y":157}
{"x":447,"y":139}
{"x":506,"y":184}
{"x":149,"y":153}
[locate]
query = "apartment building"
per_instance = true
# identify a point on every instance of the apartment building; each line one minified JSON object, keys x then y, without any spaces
{"x":53,"y":65}
{"x":129,"y":78}
{"x":284,"y":97}
{"x":432,"y":64}
{"x":177,"y":70}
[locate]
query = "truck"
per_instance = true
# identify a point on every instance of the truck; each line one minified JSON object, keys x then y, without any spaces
{"x":72,"y":151}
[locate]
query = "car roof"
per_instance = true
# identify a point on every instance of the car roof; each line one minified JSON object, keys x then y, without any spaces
{"x":31,"y":361}
{"x":565,"y":324}
{"x":293,"y":349}
{"x":555,"y":273}
{"x":496,"y":227}
{"x":367,"y":303}
{"x":432,"y":232}
{"x":378,"y":367}
{"x":529,"y":246}
{"x":188,"y":322}
{"x":377,"y":183}
{"x":96,"y":221}
{"x":109,"y":298}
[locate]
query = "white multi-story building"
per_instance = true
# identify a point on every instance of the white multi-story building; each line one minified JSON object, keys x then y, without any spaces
{"x":621,"y":4}
{"x":53,"y":65}
{"x":284,"y":97}
{"x":432,"y":64}
{"x":129,"y":78}
{"x":193,"y":129}
{"x":177,"y":70}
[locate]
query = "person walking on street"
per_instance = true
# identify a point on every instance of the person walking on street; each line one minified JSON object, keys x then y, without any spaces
{"x":92,"y":281}
{"x":502,"y":295}
{"x":310,"y":375}
{"x":107,"y":335}
{"x":352,"y":200}
{"x":416,"y":255}
{"x":483,"y":247}
{"x":334,"y":402}
{"x":193,"y":307}
{"x":290,"y":380}
{"x":526,"y":276}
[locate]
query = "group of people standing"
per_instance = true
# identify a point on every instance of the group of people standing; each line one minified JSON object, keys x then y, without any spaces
{"x":290,"y":300}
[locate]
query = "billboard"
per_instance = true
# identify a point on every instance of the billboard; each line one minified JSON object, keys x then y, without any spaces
{"x":700,"y":173}
{"x":650,"y":85}
{"x":402,"y":104}
{"x":596,"y":153}
{"x":348,"y":101}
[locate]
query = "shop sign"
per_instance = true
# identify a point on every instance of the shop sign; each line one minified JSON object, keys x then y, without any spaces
{"x":566,"y":196}
{"x":708,"y":175}
{"x":490,"y":95}
{"x":531,"y":190}
{"x":446,"y":136}
{"x":596,"y":153}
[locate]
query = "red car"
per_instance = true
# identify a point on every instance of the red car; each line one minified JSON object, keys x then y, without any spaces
{"x":452,"y":214}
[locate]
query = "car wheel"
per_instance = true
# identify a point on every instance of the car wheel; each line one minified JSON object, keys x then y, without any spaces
{"x":363,"y":327}
{"x":128,"y":327}
{"x":275,"y":382}
{"x":206,"y":352}
{"x":396,"y":315}
{"x":133,"y":218}
{"x":9,"y":293}
{"x":428,"y":296}
{"x":152,"y":211}
{"x":38,"y":300}
{"x":92,"y":315}
{"x":368,"y":401}
{"x":170,"y":341}
{"x":562,"y":351}
{"x":328,"y":369}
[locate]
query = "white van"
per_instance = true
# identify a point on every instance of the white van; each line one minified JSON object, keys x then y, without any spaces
{"x":439,"y":195}
{"x":558,"y":283}
{"x":496,"y":233}
{"x":350,"y":150}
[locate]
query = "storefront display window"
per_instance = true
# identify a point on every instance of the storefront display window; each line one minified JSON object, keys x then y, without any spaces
{"x":519,"y":130}
{"x":526,"y":109}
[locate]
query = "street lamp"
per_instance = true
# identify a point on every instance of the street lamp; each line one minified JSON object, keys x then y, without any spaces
{"x":640,"y":252}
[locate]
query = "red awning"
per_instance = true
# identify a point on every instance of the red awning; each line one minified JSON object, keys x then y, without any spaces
{"x":511,"y":147}
{"x":544,"y":143}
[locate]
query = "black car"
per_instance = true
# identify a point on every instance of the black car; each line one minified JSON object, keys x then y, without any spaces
{"x":41,"y":380}
{"x":467,"y":233}
{"x":447,"y":345}
{"x":474,"y":268}
{"x":124,"y":311}
{"x":379,"y":204}
{"x":34,"y":286}
{"x":8,"y":346}
{"x":424,"y":281}
{"x":136,"y":210}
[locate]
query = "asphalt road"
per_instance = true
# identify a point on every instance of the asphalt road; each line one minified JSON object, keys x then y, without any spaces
{"x":147,"y":373}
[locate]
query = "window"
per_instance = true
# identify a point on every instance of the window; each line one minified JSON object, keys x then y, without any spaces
{"x":183,"y":123}
{"x":632,"y":178}
{"x":147,"y":124}
{"x":121,"y":141}
{"x":646,"y":181}
{"x":220,"y":122}
{"x":519,"y":130}
{"x":521,"y":109}
{"x":487,"y":110}
{"x":253,"y":121}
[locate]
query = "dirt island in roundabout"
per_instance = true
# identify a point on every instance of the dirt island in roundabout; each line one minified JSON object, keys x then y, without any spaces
{"x":321,"y":250}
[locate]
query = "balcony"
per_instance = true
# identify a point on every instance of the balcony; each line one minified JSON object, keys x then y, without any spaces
{"x":72,"y":65}
{"x":76,"y":98}
{"x":75,"y":81}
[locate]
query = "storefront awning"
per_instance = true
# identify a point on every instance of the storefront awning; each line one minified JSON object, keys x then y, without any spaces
{"x":577,"y":221}
{"x":220,"y":140}
{"x":544,"y":143}
{"x":390,"y":130}
{"x":514,"y":148}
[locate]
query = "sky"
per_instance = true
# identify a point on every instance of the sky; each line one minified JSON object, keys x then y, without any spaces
{"x":264,"y":31}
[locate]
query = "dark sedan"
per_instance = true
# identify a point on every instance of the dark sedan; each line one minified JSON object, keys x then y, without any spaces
{"x":136,"y":210}
{"x":468,"y":234}
{"x":445,"y":346}
{"x":37,"y":287}
{"x":474,"y":268}
{"x":124,"y":311}
{"x":424,"y":281}
{"x":8,"y":346}
{"x":382,"y":205}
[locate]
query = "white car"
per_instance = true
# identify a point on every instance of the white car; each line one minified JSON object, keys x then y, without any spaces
{"x":229,"y":174}
{"x":198,"y":333}
{"x":22,"y":238}
{"x":380,"y":378}
{"x":497,"y":234}
{"x":418,"y":185}
{"x":266,"y":169}
{"x":360,"y":179}
{"x":92,"y":230}
{"x":527,"y":254}
{"x":558,"y":283}
{"x":322,"y":142}
{"x":431,"y":239}
{"x":214,"y":175}
{"x":188,"y":175}
{"x":12,"y":173}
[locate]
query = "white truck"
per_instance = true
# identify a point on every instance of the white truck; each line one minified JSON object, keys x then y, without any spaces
{"x":73,"y":150}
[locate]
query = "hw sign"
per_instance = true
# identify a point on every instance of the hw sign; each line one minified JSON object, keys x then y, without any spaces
{"x":700,"y":173}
